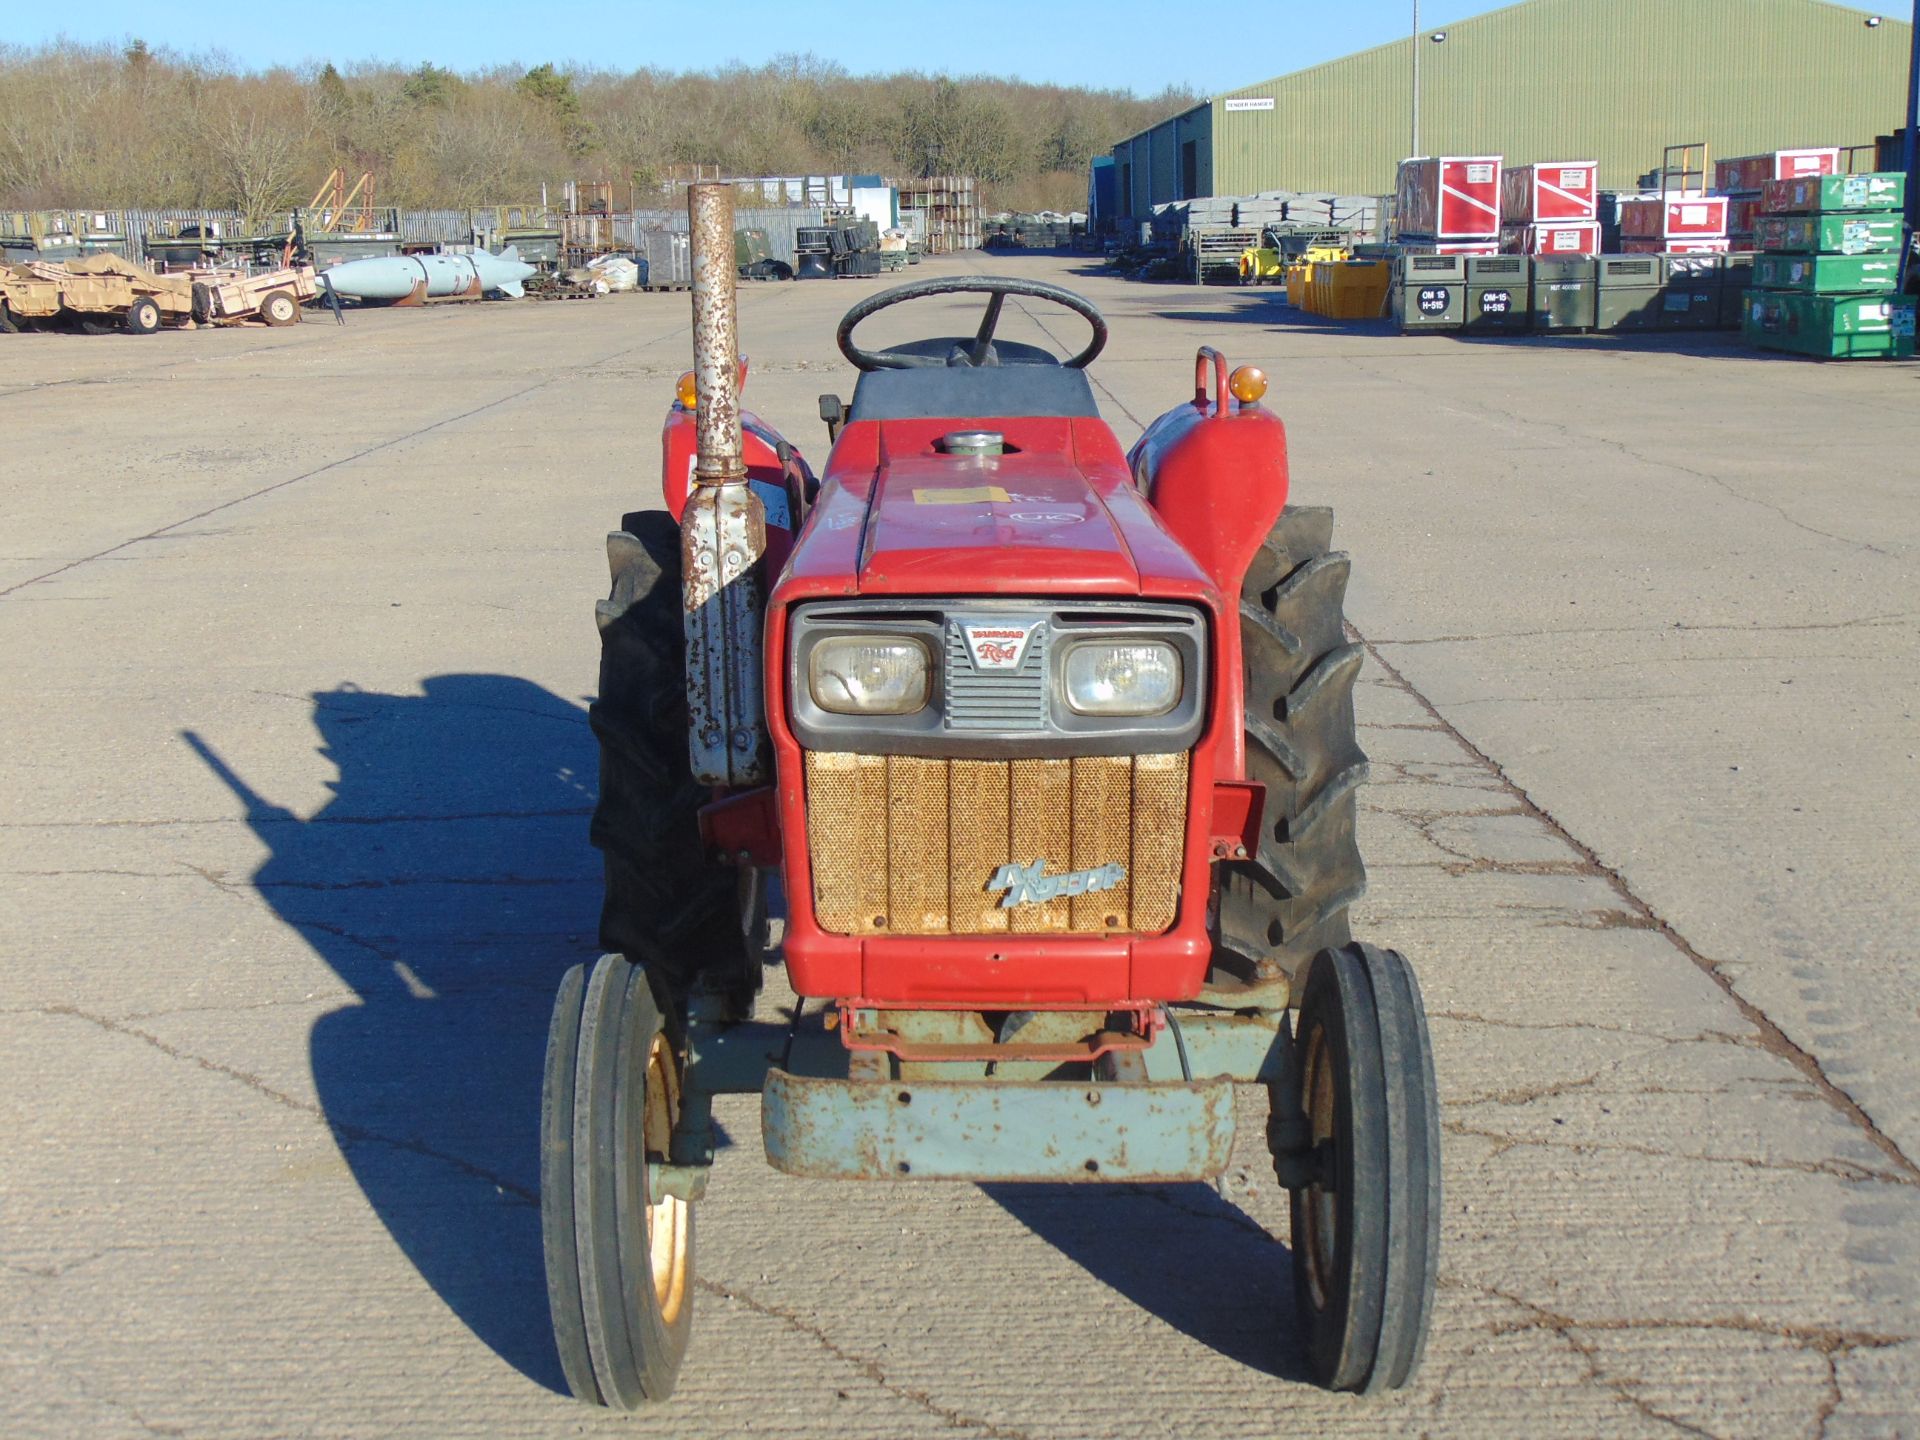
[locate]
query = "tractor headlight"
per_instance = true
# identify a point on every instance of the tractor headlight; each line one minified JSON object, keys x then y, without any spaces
{"x":1132,"y":677}
{"x":869,"y":674}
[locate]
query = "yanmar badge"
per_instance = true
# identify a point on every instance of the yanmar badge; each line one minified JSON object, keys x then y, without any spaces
{"x":998,"y":644}
{"x":1031,"y":885}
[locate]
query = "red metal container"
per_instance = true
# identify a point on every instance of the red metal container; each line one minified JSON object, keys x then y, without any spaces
{"x":1748,"y":174}
{"x":1743,"y":214}
{"x":1450,"y":247}
{"x":1535,"y":194}
{"x":1673,"y":217}
{"x":1450,"y":197}
{"x":1559,"y":237}
{"x":1700,"y":245}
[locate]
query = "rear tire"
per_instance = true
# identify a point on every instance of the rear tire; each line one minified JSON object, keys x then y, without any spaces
{"x":667,"y":901}
{"x":1366,"y":1228}
{"x":1289,"y":900}
{"x":277,"y":308}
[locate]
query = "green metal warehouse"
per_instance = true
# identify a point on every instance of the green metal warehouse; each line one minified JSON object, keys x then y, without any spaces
{"x":1609,"y":80}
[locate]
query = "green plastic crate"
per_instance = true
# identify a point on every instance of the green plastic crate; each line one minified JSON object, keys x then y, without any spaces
{"x":1869,"y":232}
{"x":1831,"y":327}
{"x":1828,"y":274}
{"x":1814,"y":194}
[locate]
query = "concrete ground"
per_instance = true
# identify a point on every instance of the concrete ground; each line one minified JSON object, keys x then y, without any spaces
{"x":297,"y":630}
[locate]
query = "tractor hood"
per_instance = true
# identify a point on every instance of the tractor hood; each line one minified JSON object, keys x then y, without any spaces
{"x":1057,"y":514}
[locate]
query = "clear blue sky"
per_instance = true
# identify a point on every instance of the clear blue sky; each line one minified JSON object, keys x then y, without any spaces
{"x":1142,"y":45}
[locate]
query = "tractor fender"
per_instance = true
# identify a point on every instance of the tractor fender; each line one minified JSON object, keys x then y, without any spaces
{"x":1216,"y":474}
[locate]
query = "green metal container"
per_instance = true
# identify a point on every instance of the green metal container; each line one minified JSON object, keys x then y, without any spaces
{"x":1430,"y":292}
{"x":1498,"y":302}
{"x":1831,"y":327}
{"x":1563,"y":293}
{"x":1872,"y":232}
{"x":1817,"y":194}
{"x":1690,"y":296}
{"x":1736,"y":279}
{"x":1827,"y":274}
{"x":1628,"y":291}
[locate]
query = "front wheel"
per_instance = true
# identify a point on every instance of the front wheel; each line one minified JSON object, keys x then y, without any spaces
{"x":1366,"y":1222}
{"x":619,"y":1262}
{"x":143,"y":316}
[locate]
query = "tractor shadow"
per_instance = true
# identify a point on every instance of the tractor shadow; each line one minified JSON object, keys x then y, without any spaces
{"x":449,"y":883}
{"x":1183,"y":1254}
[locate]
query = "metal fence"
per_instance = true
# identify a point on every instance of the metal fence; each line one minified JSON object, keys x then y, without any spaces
{"x":454,"y":227}
{"x":439,"y":227}
{"x":781,"y":225}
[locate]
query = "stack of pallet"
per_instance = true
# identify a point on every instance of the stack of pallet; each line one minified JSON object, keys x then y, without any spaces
{"x":1827,"y":279}
{"x":1449,"y":205}
{"x":1743,"y":178}
{"x":1673,"y":223}
{"x":1549,"y":209}
{"x":949,"y":210}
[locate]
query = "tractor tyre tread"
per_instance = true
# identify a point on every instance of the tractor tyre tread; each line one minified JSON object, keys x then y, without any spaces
{"x":667,"y":900}
{"x":1368,"y":1333}
{"x":1288,"y":900}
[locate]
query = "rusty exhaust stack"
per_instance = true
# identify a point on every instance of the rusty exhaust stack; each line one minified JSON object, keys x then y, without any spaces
{"x":723,"y":531}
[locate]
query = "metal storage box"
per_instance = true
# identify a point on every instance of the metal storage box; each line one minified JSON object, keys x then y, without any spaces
{"x":1736,"y":279}
{"x":1827,"y":274}
{"x":1563,"y":293}
{"x":1709,"y":245}
{"x":1429,"y":292}
{"x":669,"y":261}
{"x":1554,"y":237}
{"x":1498,"y":302}
{"x":1690,"y":298}
{"x":1450,"y":197}
{"x":1417,"y":246}
{"x":1867,"y":232}
{"x":1627,"y":291}
{"x":1835,"y":192}
{"x":1672,"y":217}
{"x":1536,"y":194}
{"x":1752,"y":172}
{"x":1831,"y":327}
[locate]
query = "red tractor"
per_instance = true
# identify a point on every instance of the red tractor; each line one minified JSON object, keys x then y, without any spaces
{"x":1053,"y":748}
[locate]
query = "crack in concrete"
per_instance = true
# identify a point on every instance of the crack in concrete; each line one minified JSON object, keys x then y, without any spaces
{"x":173,"y":527}
{"x":1831,"y":1343}
{"x":1678,"y":627}
{"x":344,"y":1132}
{"x":1467,"y":1017}
{"x":865,"y":1365}
{"x":1773,"y":1039}
{"x":85,"y":1383}
{"x":1833,"y":1169}
{"x":1612,"y":442}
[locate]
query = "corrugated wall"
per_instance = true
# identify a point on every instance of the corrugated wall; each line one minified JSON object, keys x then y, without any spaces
{"x":1606,"y":80}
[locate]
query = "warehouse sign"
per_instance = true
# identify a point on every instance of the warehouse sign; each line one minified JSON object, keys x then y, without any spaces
{"x":1259,"y":102}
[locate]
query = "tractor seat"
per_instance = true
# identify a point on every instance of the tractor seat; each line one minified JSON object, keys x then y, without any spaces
{"x":1029,"y":391}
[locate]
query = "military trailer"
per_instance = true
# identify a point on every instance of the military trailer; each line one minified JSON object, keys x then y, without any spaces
{"x":95,"y":293}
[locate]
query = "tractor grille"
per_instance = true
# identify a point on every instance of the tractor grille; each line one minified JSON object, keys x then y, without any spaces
{"x":905,"y":846}
{"x":1000,"y":701}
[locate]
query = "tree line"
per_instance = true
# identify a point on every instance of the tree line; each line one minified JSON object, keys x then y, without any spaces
{"x":122,"y":127}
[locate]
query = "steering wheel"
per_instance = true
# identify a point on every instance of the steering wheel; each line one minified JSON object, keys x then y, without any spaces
{"x":980,"y":349}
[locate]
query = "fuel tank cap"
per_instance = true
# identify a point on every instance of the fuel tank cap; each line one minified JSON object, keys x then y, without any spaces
{"x":972,"y":442}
